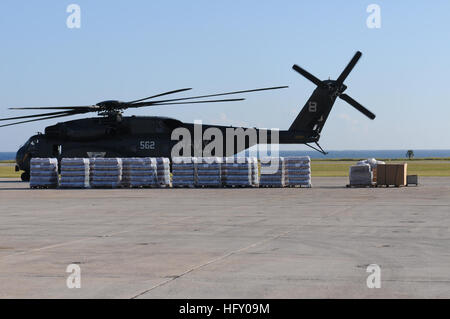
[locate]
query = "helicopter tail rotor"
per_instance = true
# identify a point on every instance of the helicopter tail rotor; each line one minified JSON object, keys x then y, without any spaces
{"x":337,"y":87}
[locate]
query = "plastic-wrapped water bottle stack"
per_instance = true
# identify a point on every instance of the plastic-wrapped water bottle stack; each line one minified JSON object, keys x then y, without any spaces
{"x":273,"y":172}
{"x":183,"y":171}
{"x":74,"y":173}
{"x":139,"y":172}
{"x":106,"y":172}
{"x":163,"y":171}
{"x":209,"y":172}
{"x":298,"y":171}
{"x":44,"y":173}
{"x":238,"y":171}
{"x":255,"y":171}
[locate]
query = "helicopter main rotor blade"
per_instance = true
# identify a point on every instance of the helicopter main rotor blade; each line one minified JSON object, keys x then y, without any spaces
{"x":34,"y":115}
{"x":143,"y":104}
{"x":188,"y":102}
{"x":307,"y":75}
{"x":44,"y":118}
{"x":349,"y":68}
{"x":166,"y":93}
{"x":357,"y":106}
{"x":211,"y":95}
{"x":86,"y":107}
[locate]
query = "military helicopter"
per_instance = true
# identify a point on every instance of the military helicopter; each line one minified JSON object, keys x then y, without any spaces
{"x":113,"y":135}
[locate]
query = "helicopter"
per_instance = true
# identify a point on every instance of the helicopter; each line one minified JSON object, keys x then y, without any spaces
{"x":111,"y":134}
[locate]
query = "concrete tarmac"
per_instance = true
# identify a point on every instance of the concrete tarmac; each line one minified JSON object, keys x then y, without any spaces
{"x":226,"y":243}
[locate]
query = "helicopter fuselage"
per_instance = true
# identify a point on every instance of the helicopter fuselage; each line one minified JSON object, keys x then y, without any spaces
{"x":141,"y":136}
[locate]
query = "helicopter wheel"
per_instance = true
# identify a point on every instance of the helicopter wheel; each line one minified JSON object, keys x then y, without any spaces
{"x":25,"y":177}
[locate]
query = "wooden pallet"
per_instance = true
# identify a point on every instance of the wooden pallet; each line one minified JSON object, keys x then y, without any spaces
{"x":272,"y":186}
{"x":43,"y":187}
{"x":299,"y":186}
{"x":372,"y":185}
{"x":388,"y":185}
{"x":240,"y":186}
{"x":208,"y":186}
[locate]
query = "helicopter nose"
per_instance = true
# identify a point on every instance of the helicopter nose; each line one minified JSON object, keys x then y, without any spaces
{"x":20,"y":156}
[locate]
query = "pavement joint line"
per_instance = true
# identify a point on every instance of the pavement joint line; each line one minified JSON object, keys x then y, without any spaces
{"x":212,"y":261}
{"x":89,"y":238}
{"x":234,"y":252}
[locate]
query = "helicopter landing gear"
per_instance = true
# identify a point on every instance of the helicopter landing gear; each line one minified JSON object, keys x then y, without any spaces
{"x":25,"y":176}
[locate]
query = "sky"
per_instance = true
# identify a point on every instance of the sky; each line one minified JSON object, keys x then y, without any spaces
{"x":131,"y":49}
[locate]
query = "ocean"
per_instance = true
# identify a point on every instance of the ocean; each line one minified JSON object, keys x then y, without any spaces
{"x":4,"y":156}
{"x":363,"y":154}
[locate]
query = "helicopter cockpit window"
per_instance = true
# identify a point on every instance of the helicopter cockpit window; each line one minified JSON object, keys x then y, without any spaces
{"x":32,"y":142}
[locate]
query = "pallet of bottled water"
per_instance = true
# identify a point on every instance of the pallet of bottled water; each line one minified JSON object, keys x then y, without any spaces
{"x":74,"y":173}
{"x":273,"y":173}
{"x":209,"y":172}
{"x":298,"y":171}
{"x":163,"y":171}
{"x":44,"y":173}
{"x":255,"y":170}
{"x":139,"y":172}
{"x":106,"y":172}
{"x":238,"y":172}
{"x":184,"y":171}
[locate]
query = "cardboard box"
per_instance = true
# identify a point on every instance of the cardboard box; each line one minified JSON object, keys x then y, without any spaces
{"x":392,"y":174}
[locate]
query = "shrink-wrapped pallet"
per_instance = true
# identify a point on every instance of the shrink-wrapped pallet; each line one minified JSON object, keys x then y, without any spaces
{"x":183,"y":171}
{"x":74,"y":173}
{"x":238,"y":171}
{"x":163,"y":171}
{"x":360,"y":175}
{"x":255,"y":170}
{"x":273,"y":172}
{"x":209,"y":172}
{"x":139,"y":172}
{"x":43,"y":173}
{"x":298,"y":170}
{"x":373,"y":166}
{"x":106,"y":172}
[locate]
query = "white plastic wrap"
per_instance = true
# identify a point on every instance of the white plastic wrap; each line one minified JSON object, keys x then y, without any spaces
{"x":360,"y":175}
{"x":273,"y":172}
{"x":163,"y":171}
{"x":139,"y":172}
{"x":298,"y":170}
{"x":74,"y":173}
{"x":209,"y":171}
{"x":106,"y":172}
{"x":238,"y":171}
{"x":370,"y":161}
{"x":43,"y":173}
{"x":183,"y":171}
